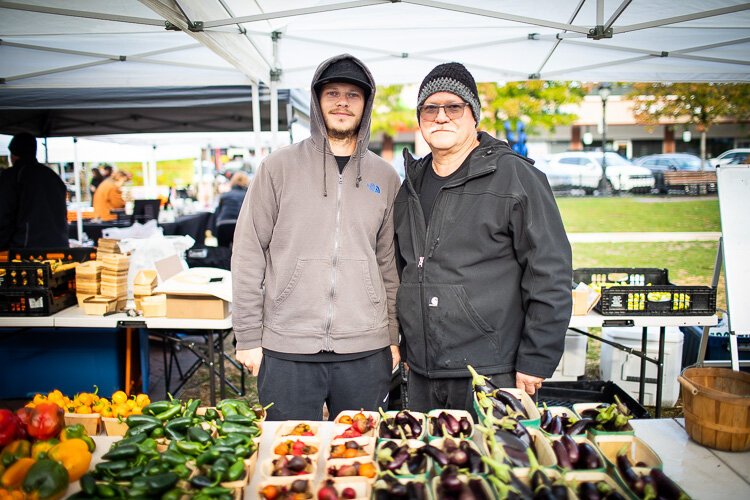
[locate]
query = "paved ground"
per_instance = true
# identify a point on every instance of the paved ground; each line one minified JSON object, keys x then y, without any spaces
{"x":641,"y":237}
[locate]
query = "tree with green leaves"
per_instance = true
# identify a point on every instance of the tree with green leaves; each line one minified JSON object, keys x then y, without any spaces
{"x":699,"y":104}
{"x":390,"y":115}
{"x":536,"y":103}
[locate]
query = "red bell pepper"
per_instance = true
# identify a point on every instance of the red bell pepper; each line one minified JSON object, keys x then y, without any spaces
{"x":10,"y":427}
{"x":46,"y":421}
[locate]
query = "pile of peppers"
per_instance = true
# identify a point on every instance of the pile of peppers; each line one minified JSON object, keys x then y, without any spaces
{"x":205,"y":454}
{"x":38,"y":455}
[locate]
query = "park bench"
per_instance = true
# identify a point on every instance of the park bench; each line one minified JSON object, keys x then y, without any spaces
{"x":691,"y":182}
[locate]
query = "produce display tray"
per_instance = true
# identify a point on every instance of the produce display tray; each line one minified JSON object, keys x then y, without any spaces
{"x":648,"y":293}
{"x":588,"y":391}
{"x":39,"y":302}
{"x":34,"y":275}
{"x":65,"y":255}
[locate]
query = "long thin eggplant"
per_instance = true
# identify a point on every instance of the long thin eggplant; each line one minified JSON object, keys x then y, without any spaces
{"x":414,"y":423}
{"x":523,"y":490}
{"x":555,"y":426}
{"x":579,"y":426}
{"x":510,"y":400}
{"x":435,"y":453}
{"x":634,"y":480}
{"x":401,"y":456}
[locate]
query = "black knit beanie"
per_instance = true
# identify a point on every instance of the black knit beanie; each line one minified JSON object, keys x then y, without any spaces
{"x":454,"y":78}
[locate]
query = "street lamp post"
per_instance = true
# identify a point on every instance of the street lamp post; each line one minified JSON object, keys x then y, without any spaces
{"x":604,"y":90}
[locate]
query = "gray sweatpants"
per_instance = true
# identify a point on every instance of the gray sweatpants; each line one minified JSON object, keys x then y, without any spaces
{"x":299,"y":389}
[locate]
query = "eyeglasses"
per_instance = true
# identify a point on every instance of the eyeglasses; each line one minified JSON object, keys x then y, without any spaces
{"x":454,"y":110}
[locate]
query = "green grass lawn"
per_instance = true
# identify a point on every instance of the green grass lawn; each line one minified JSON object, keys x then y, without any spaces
{"x":625,"y":214}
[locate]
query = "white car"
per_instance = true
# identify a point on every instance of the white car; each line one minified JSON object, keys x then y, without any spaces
{"x":732,"y":157}
{"x":583,"y":169}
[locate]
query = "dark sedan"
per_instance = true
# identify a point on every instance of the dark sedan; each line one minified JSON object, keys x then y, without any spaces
{"x":658,"y":164}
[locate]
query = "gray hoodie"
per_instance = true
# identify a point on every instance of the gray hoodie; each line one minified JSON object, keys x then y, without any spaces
{"x":313,"y":263}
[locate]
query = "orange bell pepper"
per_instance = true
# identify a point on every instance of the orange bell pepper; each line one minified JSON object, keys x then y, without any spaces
{"x":13,"y":475}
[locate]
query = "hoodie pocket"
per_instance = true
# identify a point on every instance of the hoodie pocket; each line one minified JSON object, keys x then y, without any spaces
{"x":357,"y":306}
{"x":457,"y":333}
{"x":302,"y":304}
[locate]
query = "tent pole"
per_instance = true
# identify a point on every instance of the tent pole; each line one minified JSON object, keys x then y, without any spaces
{"x":256,"y":116}
{"x":152,"y":172}
{"x":77,"y":180}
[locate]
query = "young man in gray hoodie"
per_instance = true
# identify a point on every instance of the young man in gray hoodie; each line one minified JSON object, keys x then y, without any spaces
{"x":313,"y":264}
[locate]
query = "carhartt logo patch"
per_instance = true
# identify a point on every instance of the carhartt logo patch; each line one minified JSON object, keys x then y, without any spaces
{"x":374,"y":188}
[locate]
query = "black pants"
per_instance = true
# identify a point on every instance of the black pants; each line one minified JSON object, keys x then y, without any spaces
{"x":298,"y":389}
{"x":427,"y":394}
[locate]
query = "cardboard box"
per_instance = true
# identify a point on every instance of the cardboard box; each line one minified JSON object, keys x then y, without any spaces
{"x":196,"y":307}
{"x":584,"y":299}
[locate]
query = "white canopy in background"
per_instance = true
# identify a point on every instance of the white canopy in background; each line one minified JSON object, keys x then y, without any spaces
{"x":94,"y":43}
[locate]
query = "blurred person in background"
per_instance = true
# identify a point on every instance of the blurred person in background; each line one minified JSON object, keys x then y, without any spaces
{"x":231,"y":201}
{"x":33,"y":212}
{"x":96,"y":179}
{"x":108,"y":196}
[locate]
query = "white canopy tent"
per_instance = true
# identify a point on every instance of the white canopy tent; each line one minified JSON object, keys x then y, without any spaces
{"x":48,"y":44}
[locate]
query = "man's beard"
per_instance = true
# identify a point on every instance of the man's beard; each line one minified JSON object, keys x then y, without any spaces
{"x":342,"y":135}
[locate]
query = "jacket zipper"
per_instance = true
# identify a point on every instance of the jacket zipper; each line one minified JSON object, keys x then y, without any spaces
{"x":327,"y":343}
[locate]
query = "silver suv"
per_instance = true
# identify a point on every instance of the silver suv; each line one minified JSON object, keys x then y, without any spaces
{"x":583,"y":169}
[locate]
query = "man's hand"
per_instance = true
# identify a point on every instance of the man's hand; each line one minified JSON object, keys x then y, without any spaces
{"x":396,"y":354}
{"x":251,"y":358}
{"x":528,"y":383}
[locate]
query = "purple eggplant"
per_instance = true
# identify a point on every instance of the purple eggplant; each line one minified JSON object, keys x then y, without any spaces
{"x":449,"y":480}
{"x":634,"y":480}
{"x":579,"y":426}
{"x":571,"y":447}
{"x":560,"y":491}
{"x":476,"y":487}
{"x":399,"y":459}
{"x":539,"y":478}
{"x":415,"y":490}
{"x":588,"y":458}
{"x":665,"y":487}
{"x":555,"y":426}
{"x":588,"y":491}
{"x":510,"y":400}
{"x":561,"y":453}
{"x":519,"y":486}
{"x":546,"y":418}
{"x":476,"y":466}
{"x":435,"y":453}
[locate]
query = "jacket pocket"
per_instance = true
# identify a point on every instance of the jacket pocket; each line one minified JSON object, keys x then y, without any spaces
{"x":410,"y":318}
{"x":457,"y":333}
{"x":302,"y":304}
{"x":357,"y":305}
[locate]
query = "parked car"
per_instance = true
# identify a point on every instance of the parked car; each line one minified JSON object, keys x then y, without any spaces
{"x":660,"y":163}
{"x":738,"y":156}
{"x":583,"y":169}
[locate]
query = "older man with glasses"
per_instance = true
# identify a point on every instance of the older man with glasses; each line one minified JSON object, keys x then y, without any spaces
{"x":485,"y":261}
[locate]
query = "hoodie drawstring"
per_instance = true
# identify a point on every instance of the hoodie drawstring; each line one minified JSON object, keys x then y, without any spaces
{"x":325,"y":183}
{"x":359,"y":164}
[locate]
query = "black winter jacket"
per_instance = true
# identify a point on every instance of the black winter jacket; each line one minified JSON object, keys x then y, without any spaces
{"x":33,"y":210}
{"x":488,"y":283}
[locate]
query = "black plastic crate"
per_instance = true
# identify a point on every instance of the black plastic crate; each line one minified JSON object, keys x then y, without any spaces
{"x":648,"y":293}
{"x":65,"y":255}
{"x":35,"y":302}
{"x":588,"y":391}
{"x":34,"y":275}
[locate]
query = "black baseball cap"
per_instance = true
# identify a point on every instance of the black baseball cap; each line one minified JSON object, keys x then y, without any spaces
{"x":347,"y":71}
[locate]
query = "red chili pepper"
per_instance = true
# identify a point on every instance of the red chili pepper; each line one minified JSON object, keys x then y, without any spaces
{"x":46,"y":421}
{"x":10,"y":427}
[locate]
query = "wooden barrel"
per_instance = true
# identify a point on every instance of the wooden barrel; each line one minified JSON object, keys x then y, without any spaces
{"x":717,"y":407}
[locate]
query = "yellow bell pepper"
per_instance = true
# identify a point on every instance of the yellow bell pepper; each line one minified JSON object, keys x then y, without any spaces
{"x":74,"y":455}
{"x":41,"y":448}
{"x":13,"y":475}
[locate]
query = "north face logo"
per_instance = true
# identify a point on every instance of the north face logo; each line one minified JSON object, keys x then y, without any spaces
{"x":374,"y":188}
